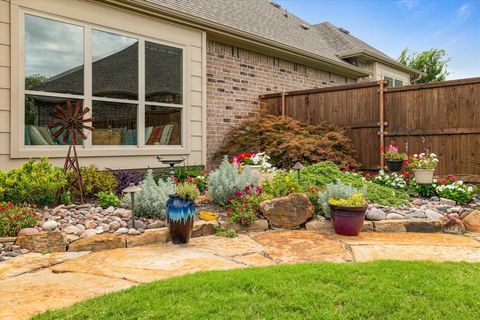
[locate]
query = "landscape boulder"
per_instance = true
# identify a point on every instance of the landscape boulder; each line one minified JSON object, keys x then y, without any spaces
{"x":472,"y":221}
{"x":53,"y":241}
{"x":287,"y":212}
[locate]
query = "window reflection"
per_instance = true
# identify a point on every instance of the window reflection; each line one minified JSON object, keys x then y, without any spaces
{"x":163,"y":73}
{"x":53,"y":56}
{"x":162,"y":125}
{"x":115,"y":123}
{"x":115,"y":65}
{"x":37,"y":118}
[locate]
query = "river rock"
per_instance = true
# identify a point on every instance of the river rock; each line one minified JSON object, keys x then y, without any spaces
{"x":49,"y":225}
{"x":375,"y":214}
{"x":26,"y":231}
{"x":394,"y":216}
{"x":287,"y":212}
{"x":156,"y":225}
{"x":432,"y":214}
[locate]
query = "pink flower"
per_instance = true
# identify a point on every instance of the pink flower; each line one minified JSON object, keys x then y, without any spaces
{"x":238,"y":194}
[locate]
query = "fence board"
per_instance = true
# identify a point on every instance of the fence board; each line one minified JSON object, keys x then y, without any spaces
{"x":444,"y":116}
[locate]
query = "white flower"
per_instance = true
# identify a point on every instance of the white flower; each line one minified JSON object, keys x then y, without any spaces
{"x":470,"y":189}
{"x":433,"y":155}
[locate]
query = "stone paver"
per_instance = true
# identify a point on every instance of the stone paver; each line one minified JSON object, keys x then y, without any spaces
{"x":31,"y":293}
{"x":34,"y":261}
{"x":302,"y":246}
{"x":71,"y":277}
{"x":410,"y":238}
{"x":415,"y":252}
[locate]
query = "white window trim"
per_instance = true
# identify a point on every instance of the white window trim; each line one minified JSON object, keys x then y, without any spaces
{"x":88,"y":149}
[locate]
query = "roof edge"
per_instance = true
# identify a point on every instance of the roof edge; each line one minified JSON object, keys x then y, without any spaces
{"x":207,"y":25}
{"x":375,"y":56}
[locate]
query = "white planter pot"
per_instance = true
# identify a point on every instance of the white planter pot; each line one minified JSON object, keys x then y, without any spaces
{"x":423,"y":176}
{"x":254,"y":170}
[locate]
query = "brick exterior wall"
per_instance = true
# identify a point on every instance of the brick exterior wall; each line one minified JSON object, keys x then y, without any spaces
{"x":235,"y":79}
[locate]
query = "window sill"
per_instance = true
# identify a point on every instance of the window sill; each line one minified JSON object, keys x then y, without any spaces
{"x":100,"y":151}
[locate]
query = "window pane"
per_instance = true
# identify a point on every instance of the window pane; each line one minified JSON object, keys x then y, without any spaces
{"x":389,"y":80}
{"x":398,"y":83}
{"x":38,"y":111}
{"x":115,"y":65}
{"x":163,"y":125}
{"x":163,"y":73}
{"x":53,"y":56}
{"x":115,"y":123}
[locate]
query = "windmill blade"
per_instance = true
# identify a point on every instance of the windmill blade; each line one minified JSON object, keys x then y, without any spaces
{"x":84,"y":137}
{"x":88,"y":120}
{"x":55,"y":124}
{"x":86,"y":127}
{"x":61,"y":110}
{"x":84,"y":112}
{"x":77,"y":109}
{"x":69,"y":107}
{"x":66,"y":136}
{"x":58,"y":132}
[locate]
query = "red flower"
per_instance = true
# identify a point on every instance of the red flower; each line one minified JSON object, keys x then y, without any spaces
{"x":452,"y":178}
{"x":238,"y":194}
{"x":405,"y":162}
{"x":346,"y":168}
{"x":2,"y":208}
{"x":229,"y":213}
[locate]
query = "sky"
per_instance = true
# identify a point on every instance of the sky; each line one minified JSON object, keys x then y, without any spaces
{"x":392,"y":25}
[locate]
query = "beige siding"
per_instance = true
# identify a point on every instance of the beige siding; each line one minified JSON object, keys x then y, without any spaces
{"x":12,"y":153}
{"x":382,"y":70}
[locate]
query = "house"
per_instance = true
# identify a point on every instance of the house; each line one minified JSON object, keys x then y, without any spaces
{"x":161,"y":77}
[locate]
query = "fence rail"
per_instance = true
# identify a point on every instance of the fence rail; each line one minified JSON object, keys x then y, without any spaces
{"x":444,"y":116}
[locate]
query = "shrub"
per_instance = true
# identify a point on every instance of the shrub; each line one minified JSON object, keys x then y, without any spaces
{"x":125,"y":177}
{"x":457,"y":191}
{"x":287,"y":141}
{"x":220,"y":232}
{"x":187,"y":190}
{"x":282,"y":184}
{"x":13,"y":218}
{"x":356,"y":200}
{"x":336,"y":191}
{"x":34,"y":182}
{"x":151,"y":201}
{"x":107,"y":199}
{"x":392,"y":180}
{"x":243,"y":208}
{"x":226,"y":180}
{"x":424,"y":190}
{"x":95,"y":181}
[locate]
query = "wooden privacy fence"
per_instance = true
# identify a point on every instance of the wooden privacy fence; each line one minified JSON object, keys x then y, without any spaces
{"x":444,"y":116}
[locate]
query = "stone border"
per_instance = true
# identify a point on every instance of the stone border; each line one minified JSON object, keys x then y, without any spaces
{"x":400,"y":225}
{"x":55,"y":241}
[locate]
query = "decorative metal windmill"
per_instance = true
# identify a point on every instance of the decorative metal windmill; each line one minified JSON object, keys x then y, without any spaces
{"x":71,"y":123}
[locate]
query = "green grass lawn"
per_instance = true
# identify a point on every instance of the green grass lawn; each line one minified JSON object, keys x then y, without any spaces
{"x":376,"y":290}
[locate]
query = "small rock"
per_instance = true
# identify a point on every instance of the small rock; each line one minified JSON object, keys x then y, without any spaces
{"x":472,"y":221}
{"x":464,"y":214}
{"x":110,"y":210}
{"x":435,"y":198}
{"x":90,"y":232}
{"x":140,"y":225}
{"x":453,"y":225}
{"x":156,"y":225}
{"x":122,"y":231}
{"x":90,"y":224}
{"x":432,"y":214}
{"x":25,"y":231}
{"x":448,"y":202}
{"x":24,"y":251}
{"x":394,"y":216}
{"x":132,"y":231}
{"x":80,"y":227}
{"x":72,"y":237}
{"x":72,"y":230}
{"x":417,"y":214}
{"x":49,"y":225}
{"x":124,"y":213}
{"x":417,"y":202}
{"x":115,"y":225}
{"x":453,"y":215}
{"x":443,"y":207}
{"x":375,"y":214}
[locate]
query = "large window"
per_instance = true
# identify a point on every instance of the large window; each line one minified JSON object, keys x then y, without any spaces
{"x":133,"y":86}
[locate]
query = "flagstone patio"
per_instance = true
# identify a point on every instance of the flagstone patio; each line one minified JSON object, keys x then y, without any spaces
{"x":34,"y":283}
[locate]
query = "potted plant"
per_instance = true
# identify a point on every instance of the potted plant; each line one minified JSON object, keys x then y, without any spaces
{"x":346,"y":206}
{"x":423,"y":166}
{"x":394,"y":157}
{"x":181,"y":211}
{"x":256,"y":162}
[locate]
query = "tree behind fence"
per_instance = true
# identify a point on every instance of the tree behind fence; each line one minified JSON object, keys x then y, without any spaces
{"x":444,"y":116}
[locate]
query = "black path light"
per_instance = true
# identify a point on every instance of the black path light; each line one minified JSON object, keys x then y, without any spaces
{"x":132,"y":189}
{"x":297,"y":167}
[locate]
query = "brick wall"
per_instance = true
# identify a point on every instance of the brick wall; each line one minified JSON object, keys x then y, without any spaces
{"x":235,"y":79}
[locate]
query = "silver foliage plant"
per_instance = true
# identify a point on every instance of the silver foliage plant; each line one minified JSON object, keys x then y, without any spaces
{"x":151,"y":201}
{"x":226,"y":180}
{"x":337,"y":190}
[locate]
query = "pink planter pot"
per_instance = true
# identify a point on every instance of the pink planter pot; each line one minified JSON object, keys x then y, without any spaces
{"x":347,"y":221}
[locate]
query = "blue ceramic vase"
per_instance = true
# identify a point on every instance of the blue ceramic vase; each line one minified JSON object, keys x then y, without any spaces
{"x":180,"y":217}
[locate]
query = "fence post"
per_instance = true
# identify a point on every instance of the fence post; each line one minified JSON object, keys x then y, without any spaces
{"x":283,"y":103}
{"x":382,"y":123}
